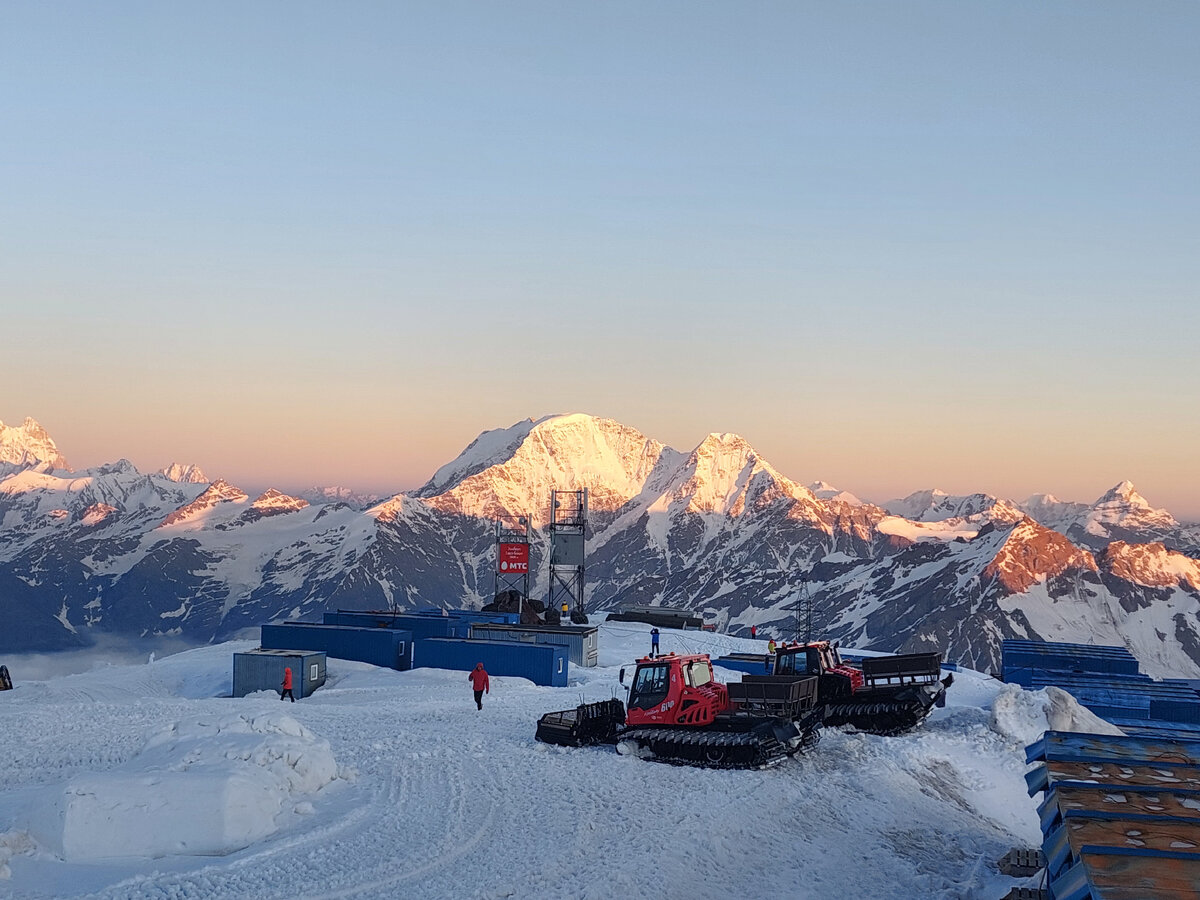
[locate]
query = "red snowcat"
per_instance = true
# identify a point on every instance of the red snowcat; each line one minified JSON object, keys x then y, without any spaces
{"x":888,"y":695}
{"x":678,"y":714}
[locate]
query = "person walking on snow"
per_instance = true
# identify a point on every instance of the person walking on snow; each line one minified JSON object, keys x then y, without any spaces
{"x":287,"y":685}
{"x":754,"y":632}
{"x":480,"y":684}
{"x":654,"y":642}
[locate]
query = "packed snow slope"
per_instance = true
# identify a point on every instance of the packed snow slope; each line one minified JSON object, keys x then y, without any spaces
{"x":399,"y":787}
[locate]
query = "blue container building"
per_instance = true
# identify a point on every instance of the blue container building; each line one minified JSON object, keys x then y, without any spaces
{"x":581,"y":641}
{"x":421,"y":627}
{"x":388,"y":647}
{"x":462,"y":620}
{"x":750,"y":663}
{"x":545,"y":664}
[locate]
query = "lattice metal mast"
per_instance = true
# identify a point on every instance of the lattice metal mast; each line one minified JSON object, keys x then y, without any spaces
{"x":568,"y":524}
{"x":804,"y":613}
{"x":512,"y":560}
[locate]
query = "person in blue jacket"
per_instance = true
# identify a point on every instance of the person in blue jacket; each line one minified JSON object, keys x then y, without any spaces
{"x":654,"y":642}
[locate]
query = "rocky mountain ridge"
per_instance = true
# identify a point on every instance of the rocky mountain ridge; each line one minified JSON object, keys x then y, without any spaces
{"x":717,"y":529}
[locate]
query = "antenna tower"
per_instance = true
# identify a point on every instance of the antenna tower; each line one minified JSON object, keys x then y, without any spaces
{"x":804,"y":613}
{"x":568,"y":522}
{"x":512,"y":561}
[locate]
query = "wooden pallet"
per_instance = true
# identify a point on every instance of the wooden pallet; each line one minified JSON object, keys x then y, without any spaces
{"x":1019,"y":863}
{"x":1027,"y":894}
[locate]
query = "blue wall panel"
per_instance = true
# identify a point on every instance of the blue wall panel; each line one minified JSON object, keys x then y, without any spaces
{"x":546,"y":664}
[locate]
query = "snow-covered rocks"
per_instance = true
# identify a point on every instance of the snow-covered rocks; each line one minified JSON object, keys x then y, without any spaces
{"x":1026,"y":715}
{"x":204,"y":786}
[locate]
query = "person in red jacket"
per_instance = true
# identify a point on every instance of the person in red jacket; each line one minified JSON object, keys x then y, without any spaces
{"x":287,"y":685}
{"x":479,"y":682}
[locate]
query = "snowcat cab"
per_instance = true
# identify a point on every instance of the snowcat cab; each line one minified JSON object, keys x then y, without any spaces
{"x":675,"y":690}
{"x":822,"y":659}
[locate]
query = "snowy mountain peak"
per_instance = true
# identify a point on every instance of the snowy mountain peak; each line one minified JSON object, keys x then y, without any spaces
{"x":726,"y":475}
{"x":825,"y":491}
{"x":277,"y":500}
{"x":489,"y":449}
{"x":337,"y":494}
{"x":938,"y":506}
{"x":120,"y":467}
{"x":184,"y":474}
{"x":272,"y":502}
{"x":28,"y":444}
{"x":1031,"y":553}
{"x":217,"y":493}
{"x":513,"y":471}
{"x":1124,"y":494}
{"x":1123,"y":510}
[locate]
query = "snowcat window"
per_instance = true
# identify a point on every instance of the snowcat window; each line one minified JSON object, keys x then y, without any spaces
{"x":786,"y":664}
{"x":699,"y":674}
{"x":813,"y":659}
{"x":650,"y":686}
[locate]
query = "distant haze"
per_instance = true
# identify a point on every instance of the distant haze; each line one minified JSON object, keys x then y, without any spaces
{"x":894,"y":247}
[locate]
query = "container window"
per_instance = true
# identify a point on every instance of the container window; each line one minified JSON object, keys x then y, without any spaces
{"x":400,"y":650}
{"x":560,"y":665}
{"x":314,"y":672}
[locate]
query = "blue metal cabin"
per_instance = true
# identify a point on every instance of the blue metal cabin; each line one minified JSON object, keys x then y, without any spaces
{"x":262,"y":670}
{"x":545,"y":664}
{"x":387,"y":647}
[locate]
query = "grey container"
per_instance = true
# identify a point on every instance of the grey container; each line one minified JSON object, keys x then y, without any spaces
{"x":262,"y":670}
{"x":581,"y":641}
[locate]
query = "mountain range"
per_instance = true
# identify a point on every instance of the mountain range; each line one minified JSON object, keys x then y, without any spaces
{"x":717,"y":530}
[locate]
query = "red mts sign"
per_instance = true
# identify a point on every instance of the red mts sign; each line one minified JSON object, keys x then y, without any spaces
{"x":514,"y":558}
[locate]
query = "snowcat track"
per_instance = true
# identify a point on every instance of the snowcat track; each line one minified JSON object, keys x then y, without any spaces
{"x":714,"y":749}
{"x":884,"y":717}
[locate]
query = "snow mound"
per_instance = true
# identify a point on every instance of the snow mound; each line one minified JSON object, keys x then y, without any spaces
{"x":1026,"y":715}
{"x":200,"y":787}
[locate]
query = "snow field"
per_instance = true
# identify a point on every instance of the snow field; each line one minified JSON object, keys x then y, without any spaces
{"x":435,"y":799}
{"x":203,"y":786}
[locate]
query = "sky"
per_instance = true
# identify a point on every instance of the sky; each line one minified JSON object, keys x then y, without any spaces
{"x":893,"y":245}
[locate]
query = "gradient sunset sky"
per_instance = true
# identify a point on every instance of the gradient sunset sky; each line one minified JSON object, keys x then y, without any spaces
{"x":894,"y":245}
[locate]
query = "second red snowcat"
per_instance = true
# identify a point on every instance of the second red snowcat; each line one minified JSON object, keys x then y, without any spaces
{"x":888,"y":695}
